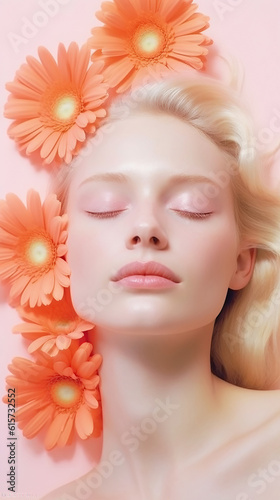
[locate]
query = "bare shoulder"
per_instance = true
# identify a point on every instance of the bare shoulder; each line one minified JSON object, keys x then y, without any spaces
{"x":75,"y":490}
{"x":65,"y":492}
{"x":257,"y":453}
{"x":258,"y":405}
{"x":263,"y":406}
{"x":247,"y":463}
{"x":254,"y":419}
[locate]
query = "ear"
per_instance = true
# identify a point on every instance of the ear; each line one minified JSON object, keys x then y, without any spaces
{"x":244,"y":269}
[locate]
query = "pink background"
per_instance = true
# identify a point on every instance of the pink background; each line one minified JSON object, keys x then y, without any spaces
{"x":247,"y":30}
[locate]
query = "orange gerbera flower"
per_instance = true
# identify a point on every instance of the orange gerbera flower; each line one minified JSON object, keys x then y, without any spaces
{"x":61,"y":394}
{"x":52,"y":328}
{"x":140,"y":37}
{"x":32,"y":249}
{"x":55,"y":105}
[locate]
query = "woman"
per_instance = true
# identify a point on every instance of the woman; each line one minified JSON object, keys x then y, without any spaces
{"x":174,"y":251}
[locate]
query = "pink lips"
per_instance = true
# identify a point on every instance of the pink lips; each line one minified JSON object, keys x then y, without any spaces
{"x":146,"y":275}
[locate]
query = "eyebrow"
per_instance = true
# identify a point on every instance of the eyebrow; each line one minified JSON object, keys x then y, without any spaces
{"x":122,"y":178}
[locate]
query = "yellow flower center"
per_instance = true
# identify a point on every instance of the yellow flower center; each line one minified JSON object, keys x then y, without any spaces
{"x":61,"y":104}
{"x":63,"y":325}
{"x":66,"y":108}
{"x":36,"y":251}
{"x":66,"y":392}
{"x":149,"y":40}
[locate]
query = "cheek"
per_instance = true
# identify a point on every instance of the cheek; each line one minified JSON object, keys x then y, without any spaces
{"x":85,"y":246}
{"x":84,"y":260}
{"x":78,"y":249}
{"x":221,"y":251}
{"x":210,"y":252}
{"x":90,"y":258}
{"x":209,"y":263}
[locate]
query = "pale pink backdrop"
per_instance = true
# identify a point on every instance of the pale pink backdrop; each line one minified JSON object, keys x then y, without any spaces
{"x":247,"y":30}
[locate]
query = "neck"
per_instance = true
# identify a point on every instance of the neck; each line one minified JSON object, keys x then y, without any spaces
{"x":158,"y":397}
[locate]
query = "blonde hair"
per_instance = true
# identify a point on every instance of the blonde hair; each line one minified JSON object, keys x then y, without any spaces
{"x":245,"y":340}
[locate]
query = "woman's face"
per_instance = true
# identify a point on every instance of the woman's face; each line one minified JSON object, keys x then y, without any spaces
{"x":150,"y":191}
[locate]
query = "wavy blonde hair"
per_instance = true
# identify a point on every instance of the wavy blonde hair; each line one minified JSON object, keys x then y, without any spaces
{"x":245,"y":343}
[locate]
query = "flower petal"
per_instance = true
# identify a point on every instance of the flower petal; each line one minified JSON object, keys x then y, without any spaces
{"x":118,"y":70}
{"x":81,"y":355}
{"x":125,"y":24}
{"x":66,"y":435}
{"x":48,"y":63}
{"x":84,"y":422}
{"x":63,"y":342}
{"x":39,"y":343}
{"x":55,"y":430}
{"x":87,"y":368}
{"x":39,"y":420}
{"x":90,"y":400}
{"x":51,"y":394}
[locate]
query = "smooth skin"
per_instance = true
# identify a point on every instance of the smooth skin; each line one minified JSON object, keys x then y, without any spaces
{"x":172,"y":429}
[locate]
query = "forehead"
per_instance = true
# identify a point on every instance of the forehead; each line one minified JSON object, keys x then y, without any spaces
{"x":148,"y":145}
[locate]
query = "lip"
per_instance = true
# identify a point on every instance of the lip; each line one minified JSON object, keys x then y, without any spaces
{"x":146,"y":273}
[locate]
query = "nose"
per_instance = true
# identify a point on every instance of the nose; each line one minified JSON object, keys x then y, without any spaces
{"x":147,"y":231}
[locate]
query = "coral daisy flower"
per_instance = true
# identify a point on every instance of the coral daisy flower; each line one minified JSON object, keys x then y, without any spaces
{"x":141,"y":37}
{"x":51,"y":328}
{"x":32,"y":249}
{"x":62,"y":395}
{"x":55,"y":105}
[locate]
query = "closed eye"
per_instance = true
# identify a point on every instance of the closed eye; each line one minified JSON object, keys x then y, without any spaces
{"x":183,"y":213}
{"x":104,"y":215}
{"x":193,"y":215}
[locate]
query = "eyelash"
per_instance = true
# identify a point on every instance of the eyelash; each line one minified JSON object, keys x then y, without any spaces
{"x":183,"y":213}
{"x":104,"y":215}
{"x":193,"y":215}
